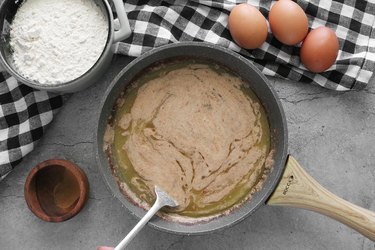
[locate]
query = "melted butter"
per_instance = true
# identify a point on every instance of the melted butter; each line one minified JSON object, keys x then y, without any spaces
{"x":196,"y":201}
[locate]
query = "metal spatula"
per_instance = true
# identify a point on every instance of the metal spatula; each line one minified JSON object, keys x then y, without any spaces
{"x":162,"y":200}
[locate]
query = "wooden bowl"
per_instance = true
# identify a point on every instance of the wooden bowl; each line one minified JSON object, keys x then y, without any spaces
{"x":56,"y":190}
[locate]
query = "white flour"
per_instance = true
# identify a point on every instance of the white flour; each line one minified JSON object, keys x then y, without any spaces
{"x":56,"y":41}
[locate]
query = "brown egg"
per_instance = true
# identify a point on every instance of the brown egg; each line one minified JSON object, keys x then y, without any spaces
{"x":319,"y":49}
{"x":288,"y":22}
{"x":247,"y":26}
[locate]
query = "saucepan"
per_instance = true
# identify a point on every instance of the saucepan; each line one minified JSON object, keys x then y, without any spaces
{"x":8,"y":9}
{"x":287,"y":184}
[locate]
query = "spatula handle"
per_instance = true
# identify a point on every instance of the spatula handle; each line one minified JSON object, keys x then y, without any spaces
{"x":298,"y":189}
{"x":153,"y":210}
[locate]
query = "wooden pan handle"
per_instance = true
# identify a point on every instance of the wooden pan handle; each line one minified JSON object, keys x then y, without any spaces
{"x":298,"y":189}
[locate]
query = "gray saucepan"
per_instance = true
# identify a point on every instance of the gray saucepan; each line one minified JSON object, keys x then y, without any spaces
{"x":287,"y":184}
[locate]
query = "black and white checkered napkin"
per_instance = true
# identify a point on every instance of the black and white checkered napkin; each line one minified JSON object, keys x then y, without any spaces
{"x":24,"y":112}
{"x":155,"y":23}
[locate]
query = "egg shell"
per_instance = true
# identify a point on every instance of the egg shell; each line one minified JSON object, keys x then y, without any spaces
{"x":247,"y":26}
{"x":288,"y":22}
{"x":319,"y":50}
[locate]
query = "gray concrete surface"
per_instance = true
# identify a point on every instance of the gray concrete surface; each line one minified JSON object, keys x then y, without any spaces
{"x":331,"y":134}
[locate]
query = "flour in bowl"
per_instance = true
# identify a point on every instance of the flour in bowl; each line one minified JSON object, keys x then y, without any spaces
{"x":56,"y":41}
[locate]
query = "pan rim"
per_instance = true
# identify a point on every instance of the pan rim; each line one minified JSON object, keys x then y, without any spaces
{"x":271,"y":181}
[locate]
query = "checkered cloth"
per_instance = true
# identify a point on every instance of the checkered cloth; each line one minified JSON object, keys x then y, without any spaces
{"x":24,"y":113}
{"x":156,"y":23}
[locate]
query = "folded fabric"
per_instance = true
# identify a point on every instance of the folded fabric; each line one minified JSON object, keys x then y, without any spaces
{"x":155,"y":23}
{"x":25,"y":112}
{"x":24,"y":115}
